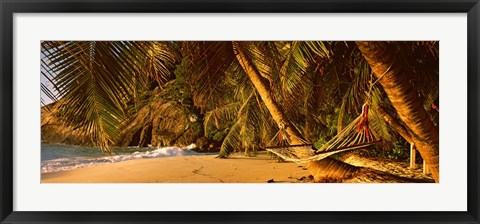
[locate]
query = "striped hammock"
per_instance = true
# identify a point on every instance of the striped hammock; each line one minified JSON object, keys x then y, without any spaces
{"x":356,"y":135}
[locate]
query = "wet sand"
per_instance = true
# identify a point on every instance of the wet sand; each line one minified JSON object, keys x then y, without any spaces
{"x":186,"y":169}
{"x":236,"y":169}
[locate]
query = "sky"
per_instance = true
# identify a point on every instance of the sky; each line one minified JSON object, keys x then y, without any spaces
{"x":43,"y":80}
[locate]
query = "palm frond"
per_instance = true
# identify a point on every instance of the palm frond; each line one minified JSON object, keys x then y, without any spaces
{"x":378,"y":99}
{"x":210,"y":61}
{"x":245,"y":131}
{"x":160,"y":60}
{"x":48,"y":92}
{"x":95,"y":81}
{"x":232,"y":140}
{"x":218,"y":117}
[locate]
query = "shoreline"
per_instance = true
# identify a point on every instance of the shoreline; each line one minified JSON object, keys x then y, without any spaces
{"x":236,"y":169}
{"x":186,"y":169}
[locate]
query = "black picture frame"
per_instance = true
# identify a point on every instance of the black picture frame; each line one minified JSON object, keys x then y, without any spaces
{"x":9,"y":7}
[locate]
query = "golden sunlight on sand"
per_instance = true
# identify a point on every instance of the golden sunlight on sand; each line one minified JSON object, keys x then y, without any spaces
{"x":186,"y":169}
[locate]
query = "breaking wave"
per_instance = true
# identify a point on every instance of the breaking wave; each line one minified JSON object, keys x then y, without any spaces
{"x":57,"y":158}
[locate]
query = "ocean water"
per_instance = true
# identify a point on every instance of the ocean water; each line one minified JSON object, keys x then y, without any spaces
{"x":61,"y":157}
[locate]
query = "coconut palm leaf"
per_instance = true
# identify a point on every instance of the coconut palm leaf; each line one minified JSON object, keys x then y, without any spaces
{"x":210,"y":61}
{"x":232,"y":140}
{"x":218,"y":117}
{"x":95,"y":81}
{"x":357,"y":93}
{"x":378,"y":99}
{"x":160,"y":61}
{"x":246,"y":130}
{"x":48,"y":92}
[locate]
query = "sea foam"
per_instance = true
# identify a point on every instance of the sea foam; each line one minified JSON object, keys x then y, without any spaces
{"x":61,"y":164}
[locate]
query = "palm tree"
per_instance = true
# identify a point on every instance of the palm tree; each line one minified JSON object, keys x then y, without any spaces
{"x":323,"y":170}
{"x":245,"y":90}
{"x":389,"y":67}
{"x":96,"y":80}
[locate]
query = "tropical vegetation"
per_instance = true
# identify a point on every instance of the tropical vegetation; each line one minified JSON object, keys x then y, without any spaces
{"x":242,"y":95}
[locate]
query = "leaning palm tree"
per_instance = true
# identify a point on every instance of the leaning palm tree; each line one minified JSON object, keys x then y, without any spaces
{"x":275,"y":87}
{"x":389,"y":67}
{"x":279,"y":81}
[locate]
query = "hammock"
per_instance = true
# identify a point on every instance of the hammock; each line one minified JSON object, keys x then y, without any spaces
{"x":356,"y":135}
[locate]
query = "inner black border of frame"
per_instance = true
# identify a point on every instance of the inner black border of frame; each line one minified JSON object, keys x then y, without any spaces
{"x":9,"y":7}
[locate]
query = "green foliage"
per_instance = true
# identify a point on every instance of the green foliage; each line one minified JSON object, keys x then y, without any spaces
{"x":398,"y":151}
{"x":219,"y":136}
{"x":95,"y":80}
{"x":319,"y":143}
{"x":319,"y":85}
{"x":180,"y":73}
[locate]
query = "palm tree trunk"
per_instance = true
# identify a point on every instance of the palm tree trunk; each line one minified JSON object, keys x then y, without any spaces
{"x":394,"y":77}
{"x":397,"y":127}
{"x":324,"y":170}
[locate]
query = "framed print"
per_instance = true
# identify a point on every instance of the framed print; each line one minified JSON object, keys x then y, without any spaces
{"x":235,"y":111}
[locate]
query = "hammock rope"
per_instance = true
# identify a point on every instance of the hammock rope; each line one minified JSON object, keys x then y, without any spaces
{"x":356,"y":135}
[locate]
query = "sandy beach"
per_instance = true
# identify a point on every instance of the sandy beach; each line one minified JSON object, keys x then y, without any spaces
{"x":346,"y":111}
{"x":236,"y":169}
{"x":186,"y":169}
